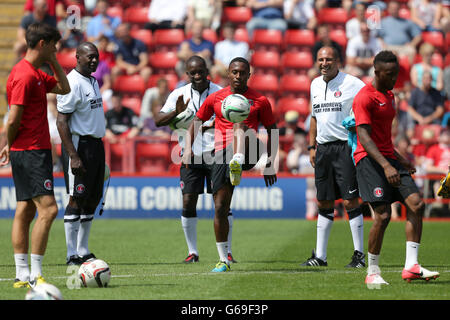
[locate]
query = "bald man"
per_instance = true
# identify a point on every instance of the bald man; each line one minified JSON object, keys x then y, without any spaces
{"x":81,"y":125}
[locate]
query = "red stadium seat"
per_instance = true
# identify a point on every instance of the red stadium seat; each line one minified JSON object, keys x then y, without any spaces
{"x":266,"y":61}
{"x":152,"y":156}
{"x":295,"y":85}
{"x":136,"y":15}
{"x":67,"y":59}
{"x":434,"y":128}
{"x":297,"y":61}
{"x":241,"y":34}
{"x":437,"y":60}
{"x":339,"y":36}
{"x":265,"y":83}
{"x":447,"y":60}
{"x":267,"y":40}
{"x":171,"y":78}
{"x":208,"y":34}
{"x":167,"y":39}
{"x":163,"y":61}
{"x":237,"y":15}
{"x":436,"y":38}
{"x":404,"y":13}
{"x":129,"y":84}
{"x":301,"y":105}
{"x":115,"y":11}
{"x":134,"y":103}
{"x":334,"y":16}
{"x":299,"y":39}
{"x":144,"y":35}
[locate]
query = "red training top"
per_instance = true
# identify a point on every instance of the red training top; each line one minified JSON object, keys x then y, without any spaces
{"x":376,"y":109}
{"x":260,"y":112}
{"x":27,"y":87}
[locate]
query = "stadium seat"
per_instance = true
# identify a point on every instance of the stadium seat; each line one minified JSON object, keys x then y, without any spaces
{"x":115,"y":156}
{"x":269,"y":40}
{"x":67,"y":59}
{"x":136,"y":15}
{"x":333,"y":16}
{"x":163,"y":62}
{"x":419,"y":133}
{"x":296,"y":61}
{"x":129,"y":84}
{"x":265,"y":83}
{"x":237,"y":15}
{"x":167,"y":39}
{"x":115,"y":11}
{"x":241,"y":34}
{"x":208,"y":34}
{"x":152,"y":156}
{"x":339,"y":36}
{"x":134,"y":103}
{"x":294,"y":85}
{"x":447,"y":60}
{"x":171,"y":78}
{"x":436,"y":38}
{"x":144,"y":35}
{"x":301,"y":105}
{"x":266,"y":61}
{"x":404,"y":13}
{"x":437,"y":60}
{"x":298,"y":39}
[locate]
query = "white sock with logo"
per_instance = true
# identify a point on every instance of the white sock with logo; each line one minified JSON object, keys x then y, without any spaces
{"x":22,"y":270}
{"x":36,"y":265}
{"x":373,"y":260}
{"x":83,"y":234}
{"x":412,"y":254}
{"x":190,"y":233}
{"x":222,"y":249}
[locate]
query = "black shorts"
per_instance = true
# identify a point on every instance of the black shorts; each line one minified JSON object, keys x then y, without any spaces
{"x":193,"y":178}
{"x":220,"y":174}
{"x":374,"y":186}
{"x":335,"y":175}
{"x":88,"y":188}
{"x":32,"y":172}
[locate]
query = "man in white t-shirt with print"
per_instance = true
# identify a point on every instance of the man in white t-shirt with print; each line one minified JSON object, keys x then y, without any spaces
{"x":192,"y":179}
{"x":332,"y":96}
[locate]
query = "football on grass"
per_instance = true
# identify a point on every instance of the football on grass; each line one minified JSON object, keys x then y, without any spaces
{"x":182,"y":120}
{"x":235,"y":108}
{"x":94,"y":274}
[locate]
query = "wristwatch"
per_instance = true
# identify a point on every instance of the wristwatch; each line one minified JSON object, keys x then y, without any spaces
{"x":311,"y":147}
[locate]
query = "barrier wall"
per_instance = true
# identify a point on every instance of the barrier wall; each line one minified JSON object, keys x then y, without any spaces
{"x":160,"y":197}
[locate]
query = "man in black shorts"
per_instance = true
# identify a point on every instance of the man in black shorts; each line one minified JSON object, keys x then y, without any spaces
{"x":384,"y":176}
{"x":81,"y":125}
{"x":29,"y":149}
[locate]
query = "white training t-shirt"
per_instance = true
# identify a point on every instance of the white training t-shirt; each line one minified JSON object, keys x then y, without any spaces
{"x":85,"y":104}
{"x":204,"y":141}
{"x":331,"y":104}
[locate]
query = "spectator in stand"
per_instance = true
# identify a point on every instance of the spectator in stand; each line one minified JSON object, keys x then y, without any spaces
{"x":155,"y":95}
{"x":426,"y":105}
{"x":105,"y":51}
{"x":149,"y":127}
{"x":197,"y":45}
{"x":55,"y":8}
{"x":103,"y":76}
{"x":361,"y":51}
{"x":131,"y":55}
{"x":353,"y":26}
{"x":407,"y":34}
{"x":121,"y":121}
{"x":346,"y":4}
{"x":208,"y":12}
{"x":427,"y":14}
{"x":102,"y":23}
{"x":163,"y":14}
{"x":426,"y":52}
{"x":39,"y":14}
{"x":227,"y":49}
{"x":299,"y":14}
{"x":437,"y":158}
{"x":323,"y":39}
{"x":267,"y":14}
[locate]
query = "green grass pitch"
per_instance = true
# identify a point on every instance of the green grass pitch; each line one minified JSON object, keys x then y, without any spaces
{"x":145,"y":259}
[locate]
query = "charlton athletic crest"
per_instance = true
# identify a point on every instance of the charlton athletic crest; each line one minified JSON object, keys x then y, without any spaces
{"x":48,"y":184}
{"x":80,"y":188}
{"x":378,"y":192}
{"x":337,"y":94}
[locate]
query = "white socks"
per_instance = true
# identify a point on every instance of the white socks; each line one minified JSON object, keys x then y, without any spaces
{"x":36,"y":265}
{"x":22,"y":270}
{"x":222,"y":249}
{"x":83,"y":234}
{"x":71,"y":229}
{"x":190,"y":233}
{"x":373,"y":260}
{"x":323,"y":233}
{"x":357,"y":229}
{"x":412,"y":253}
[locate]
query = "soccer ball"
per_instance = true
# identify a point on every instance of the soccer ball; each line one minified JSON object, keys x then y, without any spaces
{"x":94,"y":274}
{"x":182,"y":120}
{"x":235,"y":108}
{"x":44,"y":291}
